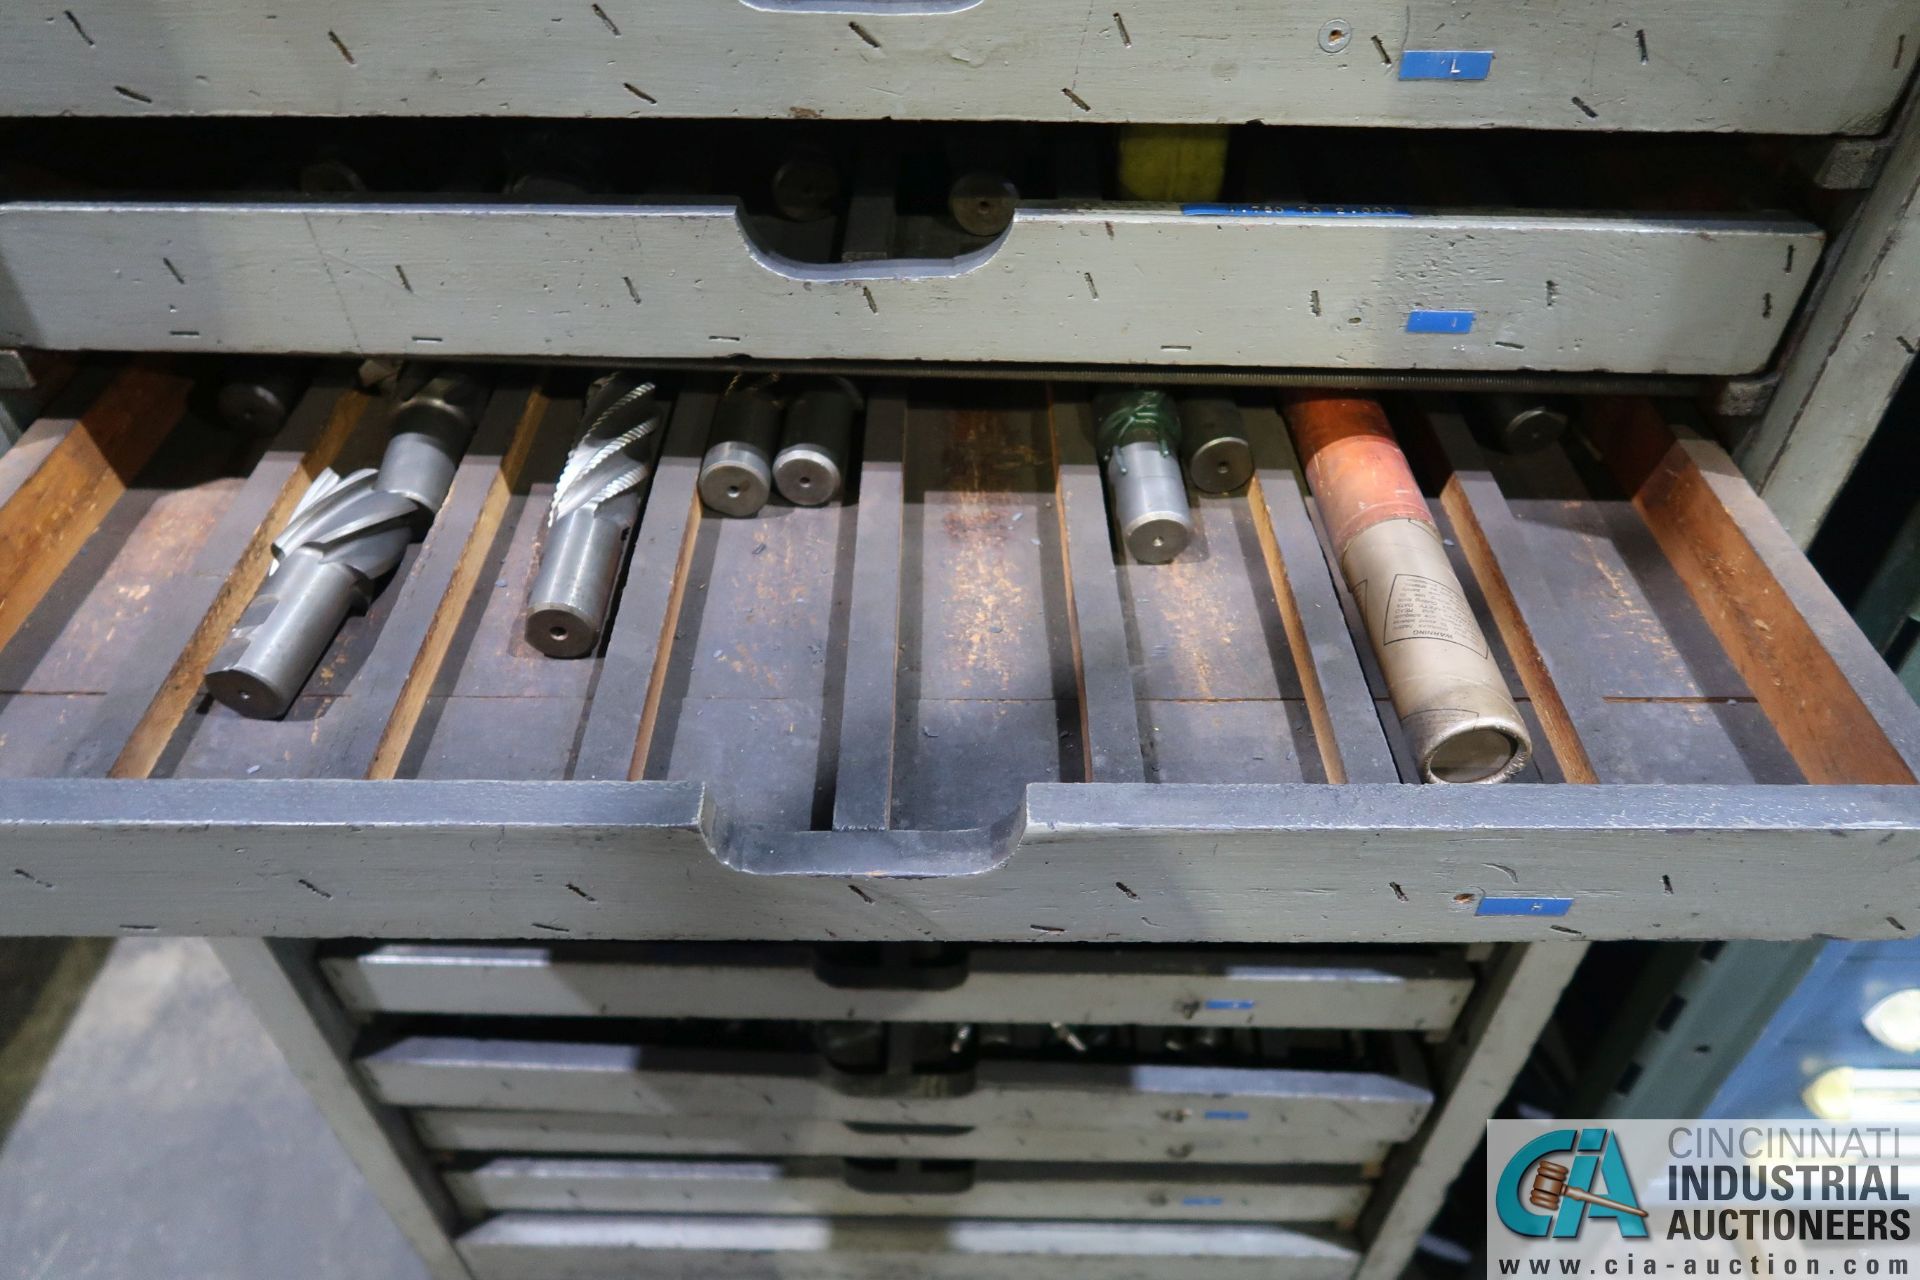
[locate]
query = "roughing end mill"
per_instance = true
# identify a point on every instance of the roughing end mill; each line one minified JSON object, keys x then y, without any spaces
{"x":596,"y":503}
{"x":345,"y":536}
{"x":1138,"y":438}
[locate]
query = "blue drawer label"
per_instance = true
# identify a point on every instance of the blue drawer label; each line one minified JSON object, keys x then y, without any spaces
{"x":1491,"y":906}
{"x":1228,"y":1004}
{"x":1294,"y":211}
{"x":1224,"y":1115}
{"x":1424,"y":321}
{"x":1445,"y":64}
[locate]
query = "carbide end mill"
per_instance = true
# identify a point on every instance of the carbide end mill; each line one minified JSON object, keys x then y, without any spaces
{"x":737,"y":474}
{"x":596,"y":503}
{"x":811,"y":465}
{"x":257,"y":396}
{"x":1139,"y":440}
{"x":1519,"y":424}
{"x":1214,"y":439}
{"x":345,"y":536}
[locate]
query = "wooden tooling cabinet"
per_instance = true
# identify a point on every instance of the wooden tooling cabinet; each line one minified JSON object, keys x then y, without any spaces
{"x":916,"y":884}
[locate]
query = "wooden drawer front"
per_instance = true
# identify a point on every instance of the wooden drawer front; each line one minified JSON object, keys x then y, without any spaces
{"x":801,"y":1186}
{"x":1152,"y":285}
{"x":1406,"y":991}
{"x":1764,"y":66}
{"x":619,"y":1247}
{"x":1335,"y":1113}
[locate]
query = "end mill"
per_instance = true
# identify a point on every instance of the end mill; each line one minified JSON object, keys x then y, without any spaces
{"x":343,"y":539}
{"x":811,"y":466}
{"x":596,"y":503}
{"x":1138,"y":438}
{"x":737,"y":474}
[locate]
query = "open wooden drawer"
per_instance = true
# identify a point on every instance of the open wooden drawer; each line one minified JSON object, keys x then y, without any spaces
{"x":938,"y":710}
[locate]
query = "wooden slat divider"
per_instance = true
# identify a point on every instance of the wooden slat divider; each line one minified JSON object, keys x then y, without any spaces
{"x":626,"y":698}
{"x":1792,"y":642}
{"x":1346,"y":725}
{"x":1103,"y":664}
{"x":152,"y":692}
{"x":1563,"y":692}
{"x":863,"y":781}
{"x":365,"y":733}
{"x":54,"y":495}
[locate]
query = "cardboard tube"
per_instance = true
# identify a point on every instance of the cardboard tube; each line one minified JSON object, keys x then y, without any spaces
{"x":1450,"y":696}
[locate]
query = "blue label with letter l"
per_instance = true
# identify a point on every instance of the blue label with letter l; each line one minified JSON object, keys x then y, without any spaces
{"x":1422,"y":320}
{"x":1445,"y":64}
{"x":1518,"y":906}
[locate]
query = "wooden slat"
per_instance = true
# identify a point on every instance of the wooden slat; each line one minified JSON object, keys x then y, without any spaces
{"x":46,"y":515}
{"x":155,"y":688}
{"x":1546,"y":653}
{"x":1346,"y":726}
{"x":1109,"y":712}
{"x":1709,"y":524}
{"x":626,"y":697}
{"x":863,"y":785}
{"x":364,"y":734}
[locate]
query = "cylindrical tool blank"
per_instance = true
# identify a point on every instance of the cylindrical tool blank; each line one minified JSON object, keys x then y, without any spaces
{"x":811,"y":464}
{"x":1460,"y":719}
{"x":430,"y":433}
{"x":292,"y":621}
{"x":1150,"y":501}
{"x":1520,"y":424}
{"x":257,"y":396}
{"x":567,"y":607}
{"x":737,"y":474}
{"x":1214,"y":439}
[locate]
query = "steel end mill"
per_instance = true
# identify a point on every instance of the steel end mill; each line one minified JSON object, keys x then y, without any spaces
{"x":596,"y":503}
{"x":345,"y":536}
{"x":736,"y":476}
{"x":1138,"y":438}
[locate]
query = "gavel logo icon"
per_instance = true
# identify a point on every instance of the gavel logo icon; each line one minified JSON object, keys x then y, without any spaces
{"x":1550,"y":1187}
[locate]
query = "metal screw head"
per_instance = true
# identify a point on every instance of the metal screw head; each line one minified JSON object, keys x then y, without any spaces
{"x":1336,"y":35}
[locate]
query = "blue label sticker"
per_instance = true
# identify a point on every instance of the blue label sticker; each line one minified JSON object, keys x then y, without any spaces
{"x":1224,"y":1115}
{"x":1424,"y":321}
{"x":1203,"y":1202}
{"x":1228,"y":1004}
{"x":1514,"y":906}
{"x":1445,"y":64}
{"x":1294,"y":211}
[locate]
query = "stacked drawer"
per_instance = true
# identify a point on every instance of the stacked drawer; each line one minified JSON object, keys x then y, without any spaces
{"x":967,"y":1109}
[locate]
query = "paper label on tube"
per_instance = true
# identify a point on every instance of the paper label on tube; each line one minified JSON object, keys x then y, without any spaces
{"x":1423,"y":608}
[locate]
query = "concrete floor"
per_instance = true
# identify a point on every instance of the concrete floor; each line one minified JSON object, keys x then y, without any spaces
{"x":160,"y":1136}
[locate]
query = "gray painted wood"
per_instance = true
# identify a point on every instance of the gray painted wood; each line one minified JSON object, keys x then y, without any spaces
{"x":1040,"y":1189}
{"x":863,"y":787}
{"x":646,"y":608}
{"x":279,"y":981}
{"x":1088,"y":862}
{"x":1788,"y":66}
{"x":1159,"y":986}
{"x":1849,"y":358}
{"x":1339,"y":1115}
{"x":1490,"y":1046}
{"x":1109,"y":712}
{"x":1631,"y":293}
{"x":526,"y":1246}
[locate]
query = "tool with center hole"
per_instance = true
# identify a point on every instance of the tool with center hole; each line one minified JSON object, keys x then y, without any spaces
{"x":1550,"y":1188}
{"x":596,"y":503}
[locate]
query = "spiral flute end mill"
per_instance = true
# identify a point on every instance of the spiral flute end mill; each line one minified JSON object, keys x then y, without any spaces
{"x":345,"y":536}
{"x":596,"y":503}
{"x":1139,"y":443}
